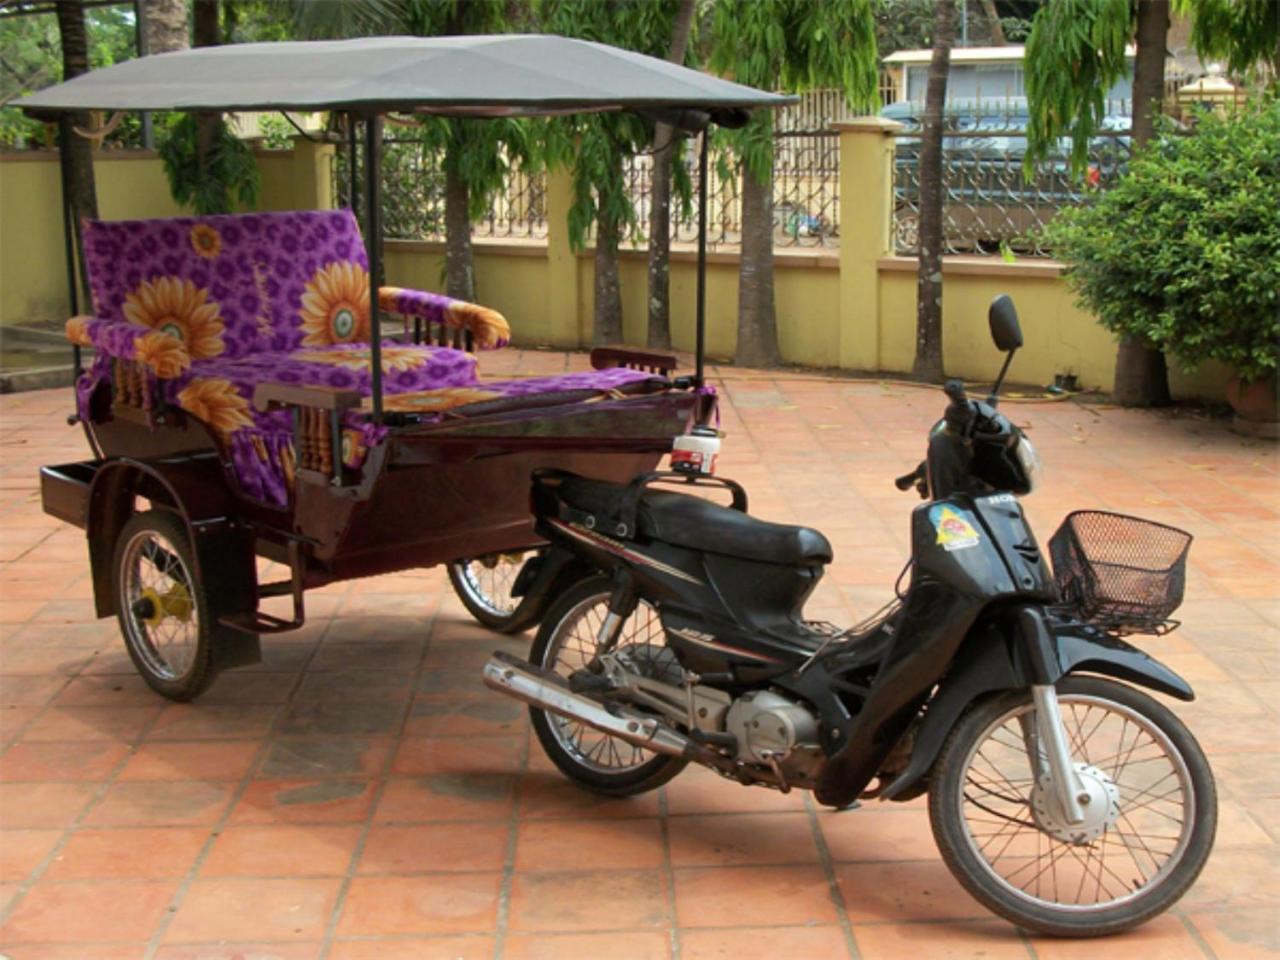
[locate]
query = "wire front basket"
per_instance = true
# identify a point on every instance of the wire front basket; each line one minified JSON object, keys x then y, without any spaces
{"x":1122,"y":573}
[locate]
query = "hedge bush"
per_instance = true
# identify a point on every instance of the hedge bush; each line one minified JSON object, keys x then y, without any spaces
{"x":1183,"y":250}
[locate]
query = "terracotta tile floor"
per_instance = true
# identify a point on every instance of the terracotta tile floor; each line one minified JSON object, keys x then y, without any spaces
{"x":361,"y":795}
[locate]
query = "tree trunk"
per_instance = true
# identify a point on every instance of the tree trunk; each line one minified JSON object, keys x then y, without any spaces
{"x":928,"y":363}
{"x":459,"y":269}
{"x":608,"y":293}
{"x":165,"y":25}
{"x":993,"y":22}
{"x":757,"y":320}
{"x":1142,"y":376}
{"x":206,"y":32}
{"x":660,"y":200}
{"x":82,"y":194}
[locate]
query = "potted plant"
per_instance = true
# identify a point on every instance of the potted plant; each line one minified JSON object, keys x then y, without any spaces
{"x":1183,"y":251}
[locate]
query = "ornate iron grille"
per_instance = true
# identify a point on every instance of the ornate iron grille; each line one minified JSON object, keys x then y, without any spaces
{"x":413,"y":196}
{"x":989,"y":205}
{"x":806,"y":195}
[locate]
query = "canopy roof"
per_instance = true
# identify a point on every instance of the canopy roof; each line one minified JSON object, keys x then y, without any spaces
{"x":499,"y":75}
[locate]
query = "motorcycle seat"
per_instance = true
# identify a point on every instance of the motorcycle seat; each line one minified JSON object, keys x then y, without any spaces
{"x":687,"y":521}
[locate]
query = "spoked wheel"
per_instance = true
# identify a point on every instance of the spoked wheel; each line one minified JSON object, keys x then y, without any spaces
{"x":162,"y":606}
{"x":1148,"y":798}
{"x":483,"y":584}
{"x":566,"y":642}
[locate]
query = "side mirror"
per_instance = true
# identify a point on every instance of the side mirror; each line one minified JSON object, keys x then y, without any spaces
{"x":1003,"y":319}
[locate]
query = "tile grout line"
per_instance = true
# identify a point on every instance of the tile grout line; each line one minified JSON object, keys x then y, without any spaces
{"x":216,"y":830}
{"x":503,"y":918}
{"x":397,"y":740}
{"x":68,"y":832}
{"x":34,"y":876}
{"x":828,"y":869}
{"x":1194,"y":933}
{"x":668,"y":872}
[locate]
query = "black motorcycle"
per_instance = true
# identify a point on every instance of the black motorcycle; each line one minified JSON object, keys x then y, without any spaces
{"x":1065,"y":801}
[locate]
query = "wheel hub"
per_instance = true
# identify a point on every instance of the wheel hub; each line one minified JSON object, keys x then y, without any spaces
{"x":152,"y":607}
{"x":1099,"y":800}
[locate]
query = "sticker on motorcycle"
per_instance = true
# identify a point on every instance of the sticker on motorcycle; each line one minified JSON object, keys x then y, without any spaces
{"x":954,"y":531}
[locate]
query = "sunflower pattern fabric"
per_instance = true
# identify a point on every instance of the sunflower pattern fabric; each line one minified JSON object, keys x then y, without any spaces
{"x":489,"y":328}
{"x":214,"y":305}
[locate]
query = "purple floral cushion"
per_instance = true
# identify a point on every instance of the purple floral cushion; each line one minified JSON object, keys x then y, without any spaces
{"x":231,"y":285}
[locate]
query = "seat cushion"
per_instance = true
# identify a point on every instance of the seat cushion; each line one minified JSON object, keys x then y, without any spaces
{"x":687,"y":521}
{"x":219,"y":392}
{"x":236,"y":284}
{"x":569,"y":387}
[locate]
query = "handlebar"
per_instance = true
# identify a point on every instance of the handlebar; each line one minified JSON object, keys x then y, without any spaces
{"x":907,"y":480}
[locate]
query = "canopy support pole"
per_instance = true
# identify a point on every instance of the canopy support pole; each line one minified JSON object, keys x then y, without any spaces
{"x":702,"y":256}
{"x":373,"y":229}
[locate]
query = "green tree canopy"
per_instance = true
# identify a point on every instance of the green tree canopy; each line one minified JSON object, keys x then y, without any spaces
{"x":1184,"y":250}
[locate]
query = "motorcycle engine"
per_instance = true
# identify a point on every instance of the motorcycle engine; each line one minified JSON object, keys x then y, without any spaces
{"x":772,"y":729}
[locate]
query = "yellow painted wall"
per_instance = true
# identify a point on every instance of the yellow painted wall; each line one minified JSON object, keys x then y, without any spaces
{"x":130,"y":185}
{"x":854,"y":307}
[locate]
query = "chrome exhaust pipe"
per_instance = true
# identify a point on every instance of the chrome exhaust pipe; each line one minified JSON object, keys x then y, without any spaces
{"x":549,"y":691}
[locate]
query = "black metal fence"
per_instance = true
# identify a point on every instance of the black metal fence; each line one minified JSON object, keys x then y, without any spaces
{"x":990,"y":205}
{"x":413,"y":196}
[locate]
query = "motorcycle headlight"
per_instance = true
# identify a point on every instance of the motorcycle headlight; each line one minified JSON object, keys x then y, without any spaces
{"x":1029,"y":460}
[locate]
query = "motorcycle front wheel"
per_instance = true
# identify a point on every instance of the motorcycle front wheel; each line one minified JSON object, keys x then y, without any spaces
{"x":1150,"y":811}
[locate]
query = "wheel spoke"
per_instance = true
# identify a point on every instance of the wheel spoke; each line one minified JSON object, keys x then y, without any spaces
{"x":1031,"y":852}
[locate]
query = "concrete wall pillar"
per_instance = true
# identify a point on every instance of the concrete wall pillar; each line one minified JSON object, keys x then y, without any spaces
{"x":866,"y":212}
{"x":562,"y":263}
{"x":312,"y":174}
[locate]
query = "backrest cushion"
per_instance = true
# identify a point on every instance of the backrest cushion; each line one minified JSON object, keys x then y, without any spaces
{"x":234,"y":284}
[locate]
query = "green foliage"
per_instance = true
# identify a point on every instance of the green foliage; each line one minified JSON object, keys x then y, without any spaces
{"x":277,"y":132}
{"x":793,"y":45}
{"x":479,"y":151}
{"x":1184,"y":250}
{"x":32,"y":59}
{"x":231,"y":170}
{"x":593,"y":145}
{"x":1074,"y":55}
{"x":1243,"y":32}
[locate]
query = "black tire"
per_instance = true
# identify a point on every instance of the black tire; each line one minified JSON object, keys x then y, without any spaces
{"x":1131,"y":905}
{"x":588,"y":595}
{"x":521,"y":616}
{"x":158,"y":539}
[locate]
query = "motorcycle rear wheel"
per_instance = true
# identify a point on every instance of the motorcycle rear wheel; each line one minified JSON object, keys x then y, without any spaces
{"x":1002,"y":838}
{"x":566,"y":641}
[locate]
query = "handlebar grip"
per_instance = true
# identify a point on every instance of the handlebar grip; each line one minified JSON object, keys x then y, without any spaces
{"x":907,"y":480}
{"x":955,"y":390}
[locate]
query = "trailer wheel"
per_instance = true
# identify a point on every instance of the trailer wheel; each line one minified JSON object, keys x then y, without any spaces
{"x":484,"y":583}
{"x":162,"y":606}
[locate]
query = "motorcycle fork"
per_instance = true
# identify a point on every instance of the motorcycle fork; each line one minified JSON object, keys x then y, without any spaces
{"x":1046,"y":735}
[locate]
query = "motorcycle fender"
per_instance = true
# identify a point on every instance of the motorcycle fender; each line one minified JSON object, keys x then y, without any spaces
{"x":544,"y":577}
{"x":989,"y":665}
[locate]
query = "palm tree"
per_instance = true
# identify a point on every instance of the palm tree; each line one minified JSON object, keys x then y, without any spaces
{"x":664,"y":148}
{"x":82,"y":195}
{"x":476,"y":153}
{"x":1076,"y":52}
{"x":928,"y":362}
{"x":790,"y":45}
{"x":595,"y":145}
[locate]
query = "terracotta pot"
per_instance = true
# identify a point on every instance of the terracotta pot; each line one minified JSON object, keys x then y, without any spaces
{"x":1256,"y":401}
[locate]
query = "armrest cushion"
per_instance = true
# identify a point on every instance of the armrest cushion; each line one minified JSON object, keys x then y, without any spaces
{"x":489,"y":329}
{"x":165,"y":355}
